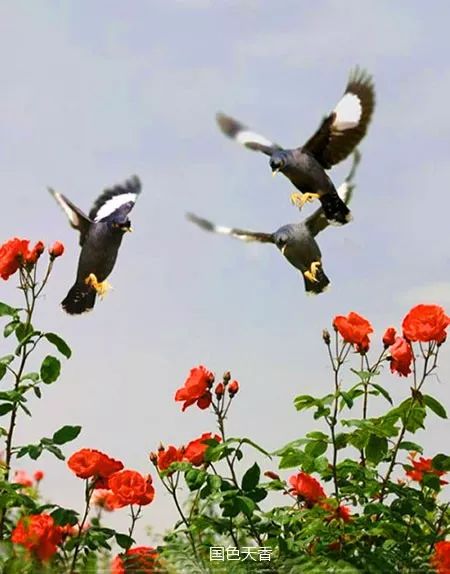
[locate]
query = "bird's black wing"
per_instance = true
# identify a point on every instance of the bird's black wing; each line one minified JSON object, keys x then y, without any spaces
{"x":243,"y":135}
{"x":78,"y":220}
{"x":317,"y":221}
{"x":121,"y":197}
{"x":242,"y":234}
{"x":344,"y":128}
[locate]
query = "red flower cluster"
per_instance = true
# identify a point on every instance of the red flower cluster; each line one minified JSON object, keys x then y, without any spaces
{"x":196,"y":388}
{"x":440,"y":559}
{"x":421,"y":467}
{"x":90,"y":463}
{"x":24,"y":479}
{"x":39,"y":534}
{"x":130,"y":487}
{"x":307,"y":487}
{"x":194,"y":452}
{"x":401,"y":357}
{"x":426,"y":323}
{"x":15,"y":253}
{"x":166,"y":456}
{"x":354,"y":329}
{"x":142,"y":559}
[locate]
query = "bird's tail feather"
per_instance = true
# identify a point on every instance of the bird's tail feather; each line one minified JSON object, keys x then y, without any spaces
{"x":79,"y":299}
{"x":318,"y":286}
{"x":335,"y":210}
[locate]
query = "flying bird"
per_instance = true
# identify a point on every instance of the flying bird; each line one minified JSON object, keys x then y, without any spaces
{"x":101,"y":234}
{"x":296,"y":241}
{"x":338,"y":135}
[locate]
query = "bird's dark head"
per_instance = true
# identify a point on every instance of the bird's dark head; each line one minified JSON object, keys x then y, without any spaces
{"x":278,"y":161}
{"x":120,"y":224}
{"x":282,"y":238}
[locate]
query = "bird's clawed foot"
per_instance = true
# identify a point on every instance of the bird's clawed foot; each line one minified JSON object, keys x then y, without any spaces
{"x":299,"y":199}
{"x":311,"y":274}
{"x":101,"y":288}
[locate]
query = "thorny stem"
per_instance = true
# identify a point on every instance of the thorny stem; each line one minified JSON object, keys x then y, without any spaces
{"x":134,"y":518}
{"x":87,"y":496}
{"x":416,"y":388}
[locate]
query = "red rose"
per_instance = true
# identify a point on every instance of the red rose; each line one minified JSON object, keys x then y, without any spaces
{"x":219,"y":390}
{"x":87,"y":463}
{"x":35,"y":253}
{"x":421,"y":467}
{"x":39,"y":534}
{"x":56,"y":250}
{"x":233,"y":388}
{"x":12,"y":254}
{"x":195,"y":450}
{"x":196,"y":388}
{"x":354,"y":329}
{"x":440,"y":559}
{"x":131,"y":487}
{"x":401,"y":357}
{"x":23,"y":478}
{"x":307,"y":487}
{"x":166,"y":456}
{"x":389,"y":337}
{"x":142,"y":559}
{"x":426,"y":323}
{"x":106,"y":499}
{"x":336,"y":512}
{"x":38,"y":475}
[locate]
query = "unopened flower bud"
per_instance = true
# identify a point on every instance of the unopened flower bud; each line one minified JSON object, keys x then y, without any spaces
{"x":389,"y":337}
{"x":56,"y":250}
{"x":38,"y":475}
{"x":272,"y":475}
{"x":326,"y":336}
{"x":226,"y":377}
{"x":219,"y":390}
{"x":154,"y":458}
{"x":233,"y":388}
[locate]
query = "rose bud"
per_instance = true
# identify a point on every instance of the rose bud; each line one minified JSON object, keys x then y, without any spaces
{"x":38,"y":475}
{"x":153,"y":456}
{"x":56,"y":250}
{"x":233,"y":388}
{"x":272,"y":475}
{"x":226,"y":377}
{"x":389,"y":337}
{"x":326,"y":336}
{"x":219,"y":390}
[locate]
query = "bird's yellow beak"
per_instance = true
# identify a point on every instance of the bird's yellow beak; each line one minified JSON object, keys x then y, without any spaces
{"x":126,"y":228}
{"x":275,"y":171}
{"x":283,"y":249}
{"x":130,"y":229}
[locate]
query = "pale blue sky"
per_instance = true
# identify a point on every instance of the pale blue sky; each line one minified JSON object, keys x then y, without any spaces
{"x":93,"y":92}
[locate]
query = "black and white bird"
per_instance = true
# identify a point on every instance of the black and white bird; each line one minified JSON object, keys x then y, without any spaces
{"x":338,"y":135}
{"x":101,"y":234}
{"x":296,"y":241}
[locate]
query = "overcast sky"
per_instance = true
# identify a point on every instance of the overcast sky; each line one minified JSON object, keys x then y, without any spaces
{"x":93,"y":92}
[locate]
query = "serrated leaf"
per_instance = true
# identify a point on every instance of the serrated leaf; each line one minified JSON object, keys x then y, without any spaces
{"x":195,"y":478}
{"x":316,"y":448}
{"x":59,"y":343}
{"x":435,"y":406}
{"x":410,"y":446}
{"x":35,"y":377}
{"x":124,"y":541}
{"x":10,"y":327}
{"x":250,"y":480}
{"x":7,"y":310}
{"x":63,"y":516}
{"x":246,"y":505}
{"x":66,"y":434}
{"x":50,"y":369}
{"x":415,"y":418}
{"x":376,"y":448}
{"x":441,"y":462}
{"x":5,"y":408}
{"x":382,"y":392}
{"x":292,"y":459}
{"x":56,"y":451}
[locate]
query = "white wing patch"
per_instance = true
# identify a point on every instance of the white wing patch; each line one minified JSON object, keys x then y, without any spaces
{"x":230,"y":231}
{"x":245,"y":137}
{"x":71,"y":214}
{"x":343,"y":191}
{"x":114,"y":203}
{"x":348,"y":112}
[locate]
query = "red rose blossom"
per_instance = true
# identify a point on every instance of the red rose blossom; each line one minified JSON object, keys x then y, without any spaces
{"x":307,"y":487}
{"x":88,"y":463}
{"x":426,"y":323}
{"x":195,"y":450}
{"x":440,"y":559}
{"x":196,"y":388}
{"x":354,"y":329}
{"x":12,"y":254}
{"x":35,"y":253}
{"x":421,"y":467}
{"x":401,"y":357}
{"x":23,"y":478}
{"x":142,"y":560}
{"x":106,"y":499}
{"x":131,"y":487}
{"x":233,"y":388}
{"x":389,"y":337}
{"x":56,"y":250}
{"x":166,"y":456}
{"x":39,"y":534}
{"x":219,"y":390}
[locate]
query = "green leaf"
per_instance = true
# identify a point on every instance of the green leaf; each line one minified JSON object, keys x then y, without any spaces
{"x":246,"y":505}
{"x":11,"y":327}
{"x":7,"y":359}
{"x":432,"y":481}
{"x":5,"y":408}
{"x":250,"y":480}
{"x":3,"y":370}
{"x":214,"y":481}
{"x":7,"y":310}
{"x":292,"y":459}
{"x":410,"y":446}
{"x":435,"y":406}
{"x":347,"y":399}
{"x":54,"y":450}
{"x":66,"y":434}
{"x":63,"y":516}
{"x":441,"y":462}
{"x":195,"y":478}
{"x":24,"y":332}
{"x":34,"y":451}
{"x":35,"y":377}
{"x":124,"y":541}
{"x":414,"y":421}
{"x":50,"y":369}
{"x":59,"y":343}
{"x":316,"y":448}
{"x":376,"y":448}
{"x":382,"y":392}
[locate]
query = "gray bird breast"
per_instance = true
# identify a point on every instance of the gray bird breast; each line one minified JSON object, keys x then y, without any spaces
{"x":306,"y":173}
{"x":302,"y":249}
{"x":99,"y":252}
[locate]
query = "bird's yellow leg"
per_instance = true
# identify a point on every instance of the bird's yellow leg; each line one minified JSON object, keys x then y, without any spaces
{"x":299,"y":199}
{"x":312,"y":271}
{"x":101,"y":288}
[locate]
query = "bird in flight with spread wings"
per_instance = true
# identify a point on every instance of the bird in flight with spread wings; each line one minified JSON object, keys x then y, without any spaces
{"x":296,"y":241}
{"x":101,"y":234}
{"x":338,"y":135}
